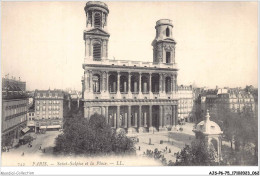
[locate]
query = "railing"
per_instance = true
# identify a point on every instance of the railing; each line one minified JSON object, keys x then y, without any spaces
{"x":131,"y":95}
{"x":132,"y":63}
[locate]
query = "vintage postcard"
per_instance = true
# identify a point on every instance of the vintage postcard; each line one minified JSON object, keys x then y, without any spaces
{"x":113,"y":84}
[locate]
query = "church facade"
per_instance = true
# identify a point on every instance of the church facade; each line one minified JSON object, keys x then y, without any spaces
{"x":132,"y":95}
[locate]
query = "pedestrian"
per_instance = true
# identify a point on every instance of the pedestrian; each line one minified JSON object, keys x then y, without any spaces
{"x":40,"y":147}
{"x":43,"y":150}
{"x":170,"y":151}
{"x":166,"y":147}
{"x":139,"y":148}
{"x":23,"y":154}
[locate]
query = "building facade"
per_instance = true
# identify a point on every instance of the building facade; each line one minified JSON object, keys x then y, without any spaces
{"x":31,"y":120}
{"x":186,"y":108}
{"x":134,"y":95}
{"x":233,"y":99}
{"x":48,"y":109}
{"x":14,"y":110}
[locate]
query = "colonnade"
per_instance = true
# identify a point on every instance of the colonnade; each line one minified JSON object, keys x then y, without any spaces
{"x":129,"y":82}
{"x":138,"y":116}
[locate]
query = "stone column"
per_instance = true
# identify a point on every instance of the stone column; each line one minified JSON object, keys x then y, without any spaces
{"x":118,"y":82}
{"x":115,"y":118}
{"x":125,"y":118}
{"x":163,"y":83}
{"x":129,"y":82}
{"x":150,"y":116}
{"x":160,"y":83}
{"x":160,"y":117}
{"x":150,"y":82}
{"x":129,"y":117}
{"x":140,"y":83}
{"x":106,"y":112}
{"x":124,"y":86}
{"x":107,"y":82}
{"x":135,"y":119}
{"x":145,"y":119}
{"x":140,"y":116}
{"x":90,"y":47}
{"x":118,"y":116}
{"x":90,"y":81}
{"x":104,"y":81}
{"x":101,"y":82}
{"x":172,"y":83}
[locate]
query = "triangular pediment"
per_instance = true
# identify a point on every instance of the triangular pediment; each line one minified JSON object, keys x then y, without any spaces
{"x":97,"y":31}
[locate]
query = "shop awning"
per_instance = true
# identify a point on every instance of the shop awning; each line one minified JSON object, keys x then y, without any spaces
{"x":54,"y":126}
{"x":43,"y":127}
{"x":25,"y":130}
{"x":50,"y":126}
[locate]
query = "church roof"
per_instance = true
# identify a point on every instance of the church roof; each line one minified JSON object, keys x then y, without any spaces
{"x":207,"y":126}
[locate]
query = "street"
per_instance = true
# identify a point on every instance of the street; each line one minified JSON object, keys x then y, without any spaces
{"x":45,"y":141}
{"x":174,"y":140}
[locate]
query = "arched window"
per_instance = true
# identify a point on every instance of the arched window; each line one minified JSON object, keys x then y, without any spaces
{"x":97,"y":20}
{"x":168,"y":57}
{"x":167,"y":32}
{"x":97,"y":51}
{"x":112,"y":83}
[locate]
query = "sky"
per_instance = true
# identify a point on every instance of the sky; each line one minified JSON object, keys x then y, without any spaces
{"x":42,"y":42}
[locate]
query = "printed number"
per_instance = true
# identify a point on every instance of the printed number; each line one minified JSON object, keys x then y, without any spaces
{"x":21,"y":164}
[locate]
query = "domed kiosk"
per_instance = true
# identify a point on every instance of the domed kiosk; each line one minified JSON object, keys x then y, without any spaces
{"x":211,"y":133}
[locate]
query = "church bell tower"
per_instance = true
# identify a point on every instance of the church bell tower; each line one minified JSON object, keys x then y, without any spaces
{"x":164,"y":44}
{"x":95,"y":35}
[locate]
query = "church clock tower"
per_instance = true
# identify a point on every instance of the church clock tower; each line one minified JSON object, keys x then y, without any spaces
{"x":95,"y":34}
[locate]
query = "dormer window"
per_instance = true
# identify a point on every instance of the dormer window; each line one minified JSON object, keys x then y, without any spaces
{"x":167,"y":32}
{"x":97,"y":20}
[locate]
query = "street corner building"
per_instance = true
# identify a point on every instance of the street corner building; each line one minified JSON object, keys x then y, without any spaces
{"x":132,"y":95}
{"x":48,"y":110}
{"x":14,"y":110}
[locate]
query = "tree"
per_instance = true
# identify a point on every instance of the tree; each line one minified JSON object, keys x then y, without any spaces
{"x":242,"y":130}
{"x":198,"y":154}
{"x":91,"y":137}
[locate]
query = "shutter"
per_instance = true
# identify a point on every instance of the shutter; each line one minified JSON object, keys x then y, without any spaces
{"x":97,"y":21}
{"x":97,"y":51}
